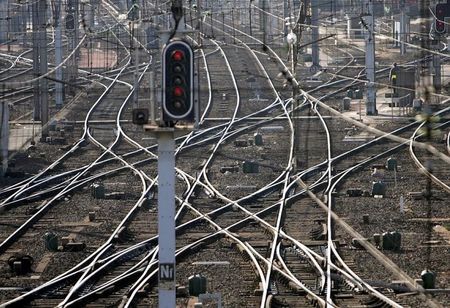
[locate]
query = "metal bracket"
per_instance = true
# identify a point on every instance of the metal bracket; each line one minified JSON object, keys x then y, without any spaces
{"x":178,"y":130}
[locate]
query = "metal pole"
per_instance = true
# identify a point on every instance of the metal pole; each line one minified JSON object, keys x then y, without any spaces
{"x":315,"y":33}
{"x":212,"y":23}
{"x":58,"y":56}
{"x":76,"y":34}
{"x":36,"y":67}
{"x":285,"y":16}
{"x":91,"y":12}
{"x":136,"y":75}
{"x":272,"y":25}
{"x":43,"y":89}
{"x":437,"y":73}
{"x":264,"y":21}
{"x":371,"y":108}
{"x":402,"y":29}
{"x":4,"y":135}
{"x":250,"y":17}
{"x":152,"y":89}
{"x":360,"y":115}
{"x":25,"y":22}
{"x":223,"y":26}
{"x":261,"y":14}
{"x":392,"y":105}
{"x":166,"y":218}
{"x":234,"y":28}
{"x":293,"y":51}
{"x":8,"y":32}
{"x":199,"y":20}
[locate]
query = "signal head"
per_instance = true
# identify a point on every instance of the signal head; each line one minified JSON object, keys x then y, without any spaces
{"x":140,"y":116}
{"x":442,"y":11}
{"x":178,"y":80}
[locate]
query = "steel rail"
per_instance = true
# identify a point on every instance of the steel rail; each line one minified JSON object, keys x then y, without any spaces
{"x":419,"y":164}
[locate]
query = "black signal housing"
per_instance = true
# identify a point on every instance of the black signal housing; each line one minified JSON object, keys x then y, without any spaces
{"x":178,"y":82}
{"x":442,"y":11}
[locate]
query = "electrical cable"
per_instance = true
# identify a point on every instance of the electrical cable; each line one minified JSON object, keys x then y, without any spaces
{"x":177,"y":13}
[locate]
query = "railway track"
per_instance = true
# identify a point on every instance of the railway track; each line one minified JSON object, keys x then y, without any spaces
{"x":241,"y":204}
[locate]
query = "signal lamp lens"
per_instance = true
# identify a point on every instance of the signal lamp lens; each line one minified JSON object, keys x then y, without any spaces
{"x":177,"y":68}
{"x":178,"y":105}
{"x":178,"y":91}
{"x":177,"y":55}
{"x":178,"y":81}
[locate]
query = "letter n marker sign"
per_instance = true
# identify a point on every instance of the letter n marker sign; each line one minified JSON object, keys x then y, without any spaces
{"x":166,"y":272}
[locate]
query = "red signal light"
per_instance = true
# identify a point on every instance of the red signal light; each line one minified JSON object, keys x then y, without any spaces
{"x":440,"y":26}
{"x":178,"y":91}
{"x":177,"y":55}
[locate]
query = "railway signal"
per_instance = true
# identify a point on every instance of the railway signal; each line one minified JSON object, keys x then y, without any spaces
{"x":178,"y":82}
{"x":140,"y":116}
{"x":70,"y":22}
{"x":442,"y":12}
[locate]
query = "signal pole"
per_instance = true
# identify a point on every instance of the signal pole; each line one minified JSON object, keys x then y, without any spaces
{"x":369,"y":25}
{"x":437,"y":73}
{"x":43,"y":65}
{"x":402,"y":28}
{"x":166,"y":217}
{"x":179,"y":111}
{"x":40,"y":65}
{"x":315,"y":35}
{"x":58,"y":54}
{"x":72,"y":36}
{"x":285,"y":16}
{"x":178,"y":105}
{"x":36,"y":71}
{"x":4,"y":135}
